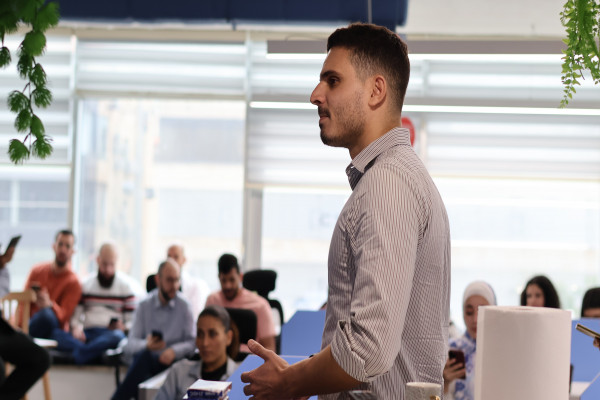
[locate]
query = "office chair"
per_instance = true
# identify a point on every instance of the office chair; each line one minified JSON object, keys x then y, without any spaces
{"x":262,"y":281}
{"x":244,"y":321}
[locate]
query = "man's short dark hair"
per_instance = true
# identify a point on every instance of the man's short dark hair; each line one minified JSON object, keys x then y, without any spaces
{"x":376,"y":50}
{"x":227,"y":262}
{"x":65,"y":232}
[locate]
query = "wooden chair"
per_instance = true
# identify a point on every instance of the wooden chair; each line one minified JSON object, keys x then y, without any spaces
{"x":9,"y":304}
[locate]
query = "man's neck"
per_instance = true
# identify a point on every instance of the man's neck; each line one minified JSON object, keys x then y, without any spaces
{"x":58,"y":270}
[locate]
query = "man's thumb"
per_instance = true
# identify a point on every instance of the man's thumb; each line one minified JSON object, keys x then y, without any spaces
{"x":257,"y":349}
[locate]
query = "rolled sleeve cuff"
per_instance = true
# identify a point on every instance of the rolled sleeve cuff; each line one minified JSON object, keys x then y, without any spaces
{"x":344,"y":354}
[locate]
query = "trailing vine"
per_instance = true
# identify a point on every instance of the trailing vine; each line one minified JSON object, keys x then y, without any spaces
{"x":581,"y":18}
{"x":39,"y":15}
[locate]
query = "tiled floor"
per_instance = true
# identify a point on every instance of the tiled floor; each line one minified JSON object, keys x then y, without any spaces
{"x":72,"y":382}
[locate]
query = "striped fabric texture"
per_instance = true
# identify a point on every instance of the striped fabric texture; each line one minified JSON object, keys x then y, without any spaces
{"x":389,"y":272}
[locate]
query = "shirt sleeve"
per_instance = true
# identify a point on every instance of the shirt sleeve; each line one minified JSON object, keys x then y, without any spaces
{"x":383,"y":231}
{"x":64,"y":309}
{"x":136,"y":340}
{"x":187,"y":345}
{"x":265,"y":327}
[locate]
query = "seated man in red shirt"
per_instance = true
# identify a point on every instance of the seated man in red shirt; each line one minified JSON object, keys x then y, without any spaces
{"x":57,"y":288}
{"x":232,"y":295}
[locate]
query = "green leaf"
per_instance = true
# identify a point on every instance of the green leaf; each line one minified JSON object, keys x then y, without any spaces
{"x":47,"y":17}
{"x":42,"y":97}
{"x":17,"y":151}
{"x":23,"y":120}
{"x":4,"y":57}
{"x":38,"y":75}
{"x":42,"y":148}
{"x":17,"y":101}
{"x":34,"y":43}
{"x":37,"y":127}
{"x":24,"y":65}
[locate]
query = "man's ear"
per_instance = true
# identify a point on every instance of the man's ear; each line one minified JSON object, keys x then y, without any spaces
{"x":229,"y":337}
{"x":378,"y":91}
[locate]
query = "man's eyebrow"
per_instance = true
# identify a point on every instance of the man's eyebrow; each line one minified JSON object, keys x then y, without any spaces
{"x":326,"y":74}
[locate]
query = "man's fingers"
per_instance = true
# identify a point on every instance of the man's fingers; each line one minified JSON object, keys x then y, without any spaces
{"x":246,"y":377}
{"x":258,"y":349}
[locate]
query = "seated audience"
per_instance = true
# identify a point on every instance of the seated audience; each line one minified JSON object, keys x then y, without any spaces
{"x":590,"y":306}
{"x":458,"y":378}
{"x":29,"y":360}
{"x":194,"y":290}
{"x":540,"y":292}
{"x":57,"y":288}
{"x":233,"y":295}
{"x":163,"y":331}
{"x":105,"y":309}
{"x":216,"y":344}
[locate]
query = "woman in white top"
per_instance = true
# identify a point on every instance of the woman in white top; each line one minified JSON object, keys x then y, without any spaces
{"x":216,"y":343}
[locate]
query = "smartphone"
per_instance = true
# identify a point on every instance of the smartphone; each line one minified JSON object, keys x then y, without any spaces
{"x":13,"y":242}
{"x":587,"y":331}
{"x":113,"y":321}
{"x":459,"y":357}
{"x":157,"y":334}
{"x":36,"y":287}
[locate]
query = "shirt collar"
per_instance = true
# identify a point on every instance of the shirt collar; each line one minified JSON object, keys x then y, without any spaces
{"x":362,"y":162}
{"x":157,"y":304}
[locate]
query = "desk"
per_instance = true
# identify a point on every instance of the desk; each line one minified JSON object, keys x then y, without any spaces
{"x":251,"y":362}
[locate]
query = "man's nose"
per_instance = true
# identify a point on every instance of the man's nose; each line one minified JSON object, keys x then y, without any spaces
{"x":316,"y":96}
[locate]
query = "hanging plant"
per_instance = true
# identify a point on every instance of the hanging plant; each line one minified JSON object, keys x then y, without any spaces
{"x":581,"y":18}
{"x":39,"y":15}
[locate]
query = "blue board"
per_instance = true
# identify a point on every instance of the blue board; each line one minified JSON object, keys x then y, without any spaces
{"x":301,"y":335}
{"x":585,"y":358}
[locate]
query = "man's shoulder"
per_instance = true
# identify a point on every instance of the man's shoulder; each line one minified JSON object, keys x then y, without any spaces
{"x":252,"y":299}
{"x":41,"y":267}
{"x":215,"y":298}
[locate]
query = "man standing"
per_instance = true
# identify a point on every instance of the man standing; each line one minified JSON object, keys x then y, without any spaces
{"x":233,"y":295}
{"x":194,"y":290}
{"x":57,"y":288}
{"x":104,"y":311}
{"x":389,"y":259}
{"x":163,"y":331}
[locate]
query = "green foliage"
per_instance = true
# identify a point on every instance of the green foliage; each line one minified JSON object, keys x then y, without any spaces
{"x":17,"y":101}
{"x":40,"y":15}
{"x":5,"y":58}
{"x":17,"y":151}
{"x":581,"y":18}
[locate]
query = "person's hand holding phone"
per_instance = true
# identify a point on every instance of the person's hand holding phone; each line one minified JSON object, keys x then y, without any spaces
{"x":42,"y":298}
{"x":455,"y":368}
{"x":155,"y":342}
{"x":115,"y":323}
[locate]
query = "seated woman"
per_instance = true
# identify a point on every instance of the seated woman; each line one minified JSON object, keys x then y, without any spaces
{"x":540,"y":292}
{"x":458,"y":377}
{"x":590,"y":306}
{"x":217,"y":346}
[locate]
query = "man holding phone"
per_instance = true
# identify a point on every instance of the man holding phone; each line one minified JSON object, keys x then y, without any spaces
{"x":163,"y":331}
{"x":4,"y":260}
{"x":57,"y":289}
{"x":104,"y":312}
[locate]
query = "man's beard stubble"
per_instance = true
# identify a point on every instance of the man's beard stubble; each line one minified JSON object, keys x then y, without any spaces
{"x":104,"y":281}
{"x":349,"y":129}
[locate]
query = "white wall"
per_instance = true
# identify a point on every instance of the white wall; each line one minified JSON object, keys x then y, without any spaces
{"x":506,"y":18}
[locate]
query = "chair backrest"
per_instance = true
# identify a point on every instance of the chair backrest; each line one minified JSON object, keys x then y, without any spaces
{"x":18,"y":300}
{"x":261,"y":281}
{"x":245,"y":321}
{"x":150,"y":283}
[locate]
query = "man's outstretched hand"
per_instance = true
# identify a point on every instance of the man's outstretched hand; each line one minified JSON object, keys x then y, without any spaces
{"x":267,"y":381}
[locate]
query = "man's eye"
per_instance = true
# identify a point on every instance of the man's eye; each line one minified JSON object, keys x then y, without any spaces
{"x":332,"y":81}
